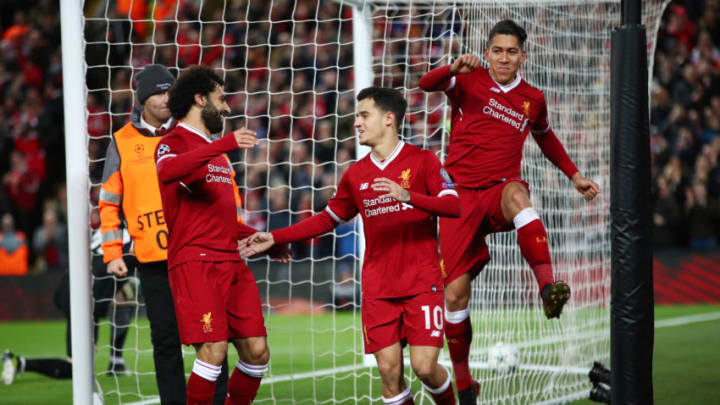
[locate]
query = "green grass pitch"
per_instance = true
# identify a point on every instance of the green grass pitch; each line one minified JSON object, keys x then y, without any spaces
{"x":685,"y":363}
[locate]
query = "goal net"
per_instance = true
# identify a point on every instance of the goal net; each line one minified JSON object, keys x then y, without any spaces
{"x":292,"y":69}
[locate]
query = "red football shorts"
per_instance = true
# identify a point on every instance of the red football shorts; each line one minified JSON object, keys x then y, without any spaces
{"x":462,"y":240}
{"x":216,"y":301}
{"x":417,"y":319}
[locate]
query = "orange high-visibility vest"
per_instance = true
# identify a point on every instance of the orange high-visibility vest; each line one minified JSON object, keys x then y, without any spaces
{"x":135,"y":185}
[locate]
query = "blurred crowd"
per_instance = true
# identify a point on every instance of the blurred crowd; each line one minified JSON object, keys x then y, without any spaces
{"x":685,"y":127}
{"x":289,"y":75}
{"x":33,"y":234}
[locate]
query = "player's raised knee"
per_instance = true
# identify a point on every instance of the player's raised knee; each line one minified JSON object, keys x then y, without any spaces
{"x":517,"y":193}
{"x":212,"y":352}
{"x":456,"y":300}
{"x":260,"y":354}
{"x":389,"y":369}
{"x":253,"y":350}
{"x":423,"y":368}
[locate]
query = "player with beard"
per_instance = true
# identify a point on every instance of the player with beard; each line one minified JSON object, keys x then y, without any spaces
{"x":130,"y":199}
{"x":493,"y":112}
{"x":216,"y":298}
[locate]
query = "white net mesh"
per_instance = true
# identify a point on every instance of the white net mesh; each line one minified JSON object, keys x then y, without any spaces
{"x":289,"y":72}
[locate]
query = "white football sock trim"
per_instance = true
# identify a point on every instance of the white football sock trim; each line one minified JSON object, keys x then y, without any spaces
{"x":457,"y":316}
{"x":398,"y":399}
{"x":251,"y":369}
{"x":524,"y":217}
{"x":443,"y":387}
{"x":206,"y":370}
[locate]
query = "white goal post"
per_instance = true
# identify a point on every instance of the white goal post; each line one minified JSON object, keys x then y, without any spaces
{"x":293,"y":69}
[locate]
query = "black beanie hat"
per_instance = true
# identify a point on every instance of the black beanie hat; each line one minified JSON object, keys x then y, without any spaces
{"x":152,"y":80}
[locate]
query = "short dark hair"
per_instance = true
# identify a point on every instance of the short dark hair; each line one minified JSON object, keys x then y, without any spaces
{"x":508,"y":27}
{"x":194,"y":80}
{"x":386,"y":99}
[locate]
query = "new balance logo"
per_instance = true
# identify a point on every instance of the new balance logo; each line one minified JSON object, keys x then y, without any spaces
{"x":363,"y":186}
{"x":495,"y":89}
{"x":435,"y":333}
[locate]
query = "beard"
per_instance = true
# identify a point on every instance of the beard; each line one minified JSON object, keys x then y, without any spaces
{"x":212,"y":118}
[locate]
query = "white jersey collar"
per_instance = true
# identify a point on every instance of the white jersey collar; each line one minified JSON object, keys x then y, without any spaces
{"x":195,"y":131}
{"x":507,"y":87}
{"x":382,"y":165}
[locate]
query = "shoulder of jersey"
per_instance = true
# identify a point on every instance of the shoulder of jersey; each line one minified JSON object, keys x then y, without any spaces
{"x":530,"y":90}
{"x":409,"y":148}
{"x":363,"y":160}
{"x":177,"y":134}
{"x":429,"y":154}
{"x":177,"y":129}
{"x":429,"y":158}
{"x":481,"y":72}
{"x":170,"y":137}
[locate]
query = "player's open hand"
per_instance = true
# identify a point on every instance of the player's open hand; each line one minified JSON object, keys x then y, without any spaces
{"x":245,"y":138}
{"x":588,"y":188}
{"x":117,"y":267}
{"x":393,"y":189}
{"x":464,"y":64}
{"x":256,"y":244}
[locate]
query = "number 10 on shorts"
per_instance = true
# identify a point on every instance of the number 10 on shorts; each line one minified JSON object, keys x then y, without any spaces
{"x":437,"y":316}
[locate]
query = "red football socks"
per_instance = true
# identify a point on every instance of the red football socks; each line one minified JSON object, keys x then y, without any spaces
{"x":459,"y":337}
{"x":199,"y":390}
{"x":444,"y":394}
{"x":242,"y":386}
{"x":446,"y":397}
{"x":533,"y":242}
{"x":201,"y":385}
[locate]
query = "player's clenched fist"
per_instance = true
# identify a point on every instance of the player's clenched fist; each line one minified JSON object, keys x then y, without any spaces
{"x":464,"y":64}
{"x":588,"y":188}
{"x":245,"y":138}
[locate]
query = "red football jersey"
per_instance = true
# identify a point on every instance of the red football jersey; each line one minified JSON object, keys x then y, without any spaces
{"x":490,"y":123}
{"x":198,"y":197}
{"x":401,"y":248}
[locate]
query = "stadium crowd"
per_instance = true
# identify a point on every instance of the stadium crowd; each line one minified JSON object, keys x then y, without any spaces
{"x":685,"y":127}
{"x":298,"y":96}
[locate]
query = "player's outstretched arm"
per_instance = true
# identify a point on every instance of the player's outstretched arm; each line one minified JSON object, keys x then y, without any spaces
{"x":445,"y":206}
{"x":438,"y":79}
{"x":280,"y":252}
{"x":588,"y":188}
{"x":553,"y":149}
{"x":256,"y":243}
{"x":178,"y":167}
{"x":316,"y":225}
